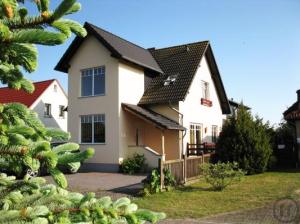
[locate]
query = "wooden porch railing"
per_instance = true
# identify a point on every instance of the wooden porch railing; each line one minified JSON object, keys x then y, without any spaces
{"x":200,"y":149}
{"x":186,"y":169}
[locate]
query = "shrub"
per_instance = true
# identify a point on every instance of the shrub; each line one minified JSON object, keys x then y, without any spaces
{"x":152,"y":182}
{"x":245,"y":140}
{"x":133,"y":164}
{"x":220,"y":175}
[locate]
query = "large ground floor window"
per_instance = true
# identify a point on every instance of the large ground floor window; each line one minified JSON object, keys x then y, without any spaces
{"x":196,"y":133}
{"x":214,"y":134}
{"x":92,"y":128}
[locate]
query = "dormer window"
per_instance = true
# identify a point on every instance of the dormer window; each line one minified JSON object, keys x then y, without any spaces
{"x":170,"y":80}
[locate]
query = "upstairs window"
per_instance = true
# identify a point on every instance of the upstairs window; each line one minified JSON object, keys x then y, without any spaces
{"x":55,"y":88}
{"x":93,"y":81}
{"x":205,"y":90}
{"x":47,"y":110}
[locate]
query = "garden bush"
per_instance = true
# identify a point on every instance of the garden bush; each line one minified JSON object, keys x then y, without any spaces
{"x":221,"y":175}
{"x":246,"y":140}
{"x":134,"y":164}
{"x":152,"y":182}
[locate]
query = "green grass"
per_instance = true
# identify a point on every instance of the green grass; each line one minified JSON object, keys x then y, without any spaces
{"x":197,"y":200}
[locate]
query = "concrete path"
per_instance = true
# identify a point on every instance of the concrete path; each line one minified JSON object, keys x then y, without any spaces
{"x":115,"y":185}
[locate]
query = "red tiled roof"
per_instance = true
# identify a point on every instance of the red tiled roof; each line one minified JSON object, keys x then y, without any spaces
{"x":8,"y":95}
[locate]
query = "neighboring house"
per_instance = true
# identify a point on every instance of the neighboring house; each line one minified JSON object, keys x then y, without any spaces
{"x":292,"y":115}
{"x":234,"y":106}
{"x":48,"y":100}
{"x":124,"y":98}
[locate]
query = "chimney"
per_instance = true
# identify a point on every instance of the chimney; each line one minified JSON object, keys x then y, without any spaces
{"x":298,"y":98}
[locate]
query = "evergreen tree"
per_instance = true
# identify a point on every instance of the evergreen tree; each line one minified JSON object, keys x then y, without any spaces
{"x":245,"y":140}
{"x":32,"y":201}
{"x":25,"y":141}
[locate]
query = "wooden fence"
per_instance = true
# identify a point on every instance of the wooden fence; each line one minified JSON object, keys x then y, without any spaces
{"x":186,"y":169}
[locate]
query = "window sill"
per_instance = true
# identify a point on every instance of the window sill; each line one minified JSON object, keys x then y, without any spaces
{"x":92,"y":143}
{"x":206,"y":102}
{"x":82,"y":97}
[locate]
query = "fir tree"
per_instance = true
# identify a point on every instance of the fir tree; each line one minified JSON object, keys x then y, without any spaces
{"x":32,"y":201}
{"x":245,"y":140}
{"x":25,"y":141}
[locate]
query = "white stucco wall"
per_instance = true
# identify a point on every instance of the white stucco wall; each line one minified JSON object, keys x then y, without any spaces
{"x":55,"y":99}
{"x":166,"y":110}
{"x":192,"y":109}
{"x":92,"y":54}
{"x":131,"y":89}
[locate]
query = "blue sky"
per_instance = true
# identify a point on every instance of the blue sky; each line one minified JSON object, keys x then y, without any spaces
{"x":256,"y":42}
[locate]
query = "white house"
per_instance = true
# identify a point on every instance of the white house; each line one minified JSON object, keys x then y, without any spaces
{"x":49,"y":101}
{"x":124,"y":98}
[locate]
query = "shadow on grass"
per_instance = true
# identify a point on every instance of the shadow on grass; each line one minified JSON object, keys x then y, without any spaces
{"x":193,"y":189}
{"x":285,"y":170}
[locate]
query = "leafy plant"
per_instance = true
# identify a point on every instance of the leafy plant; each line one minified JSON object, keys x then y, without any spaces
{"x":33,"y":201}
{"x":152,"y":182}
{"x":220,"y":175}
{"x":133,"y":164}
{"x":245,"y":140}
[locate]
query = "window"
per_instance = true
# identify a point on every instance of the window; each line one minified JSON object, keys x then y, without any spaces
{"x":205,"y":90}
{"x":195,"y":133}
{"x":93,"y":128}
{"x":47,"y":110}
{"x":93,"y":81}
{"x":61,"y":111}
{"x":170,"y":80}
{"x":55,"y":88}
{"x":214,"y":134}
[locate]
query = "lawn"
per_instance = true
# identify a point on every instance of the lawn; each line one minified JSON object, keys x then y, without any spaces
{"x":197,"y":200}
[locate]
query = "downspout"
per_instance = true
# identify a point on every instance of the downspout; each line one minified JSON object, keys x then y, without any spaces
{"x":183,"y":133}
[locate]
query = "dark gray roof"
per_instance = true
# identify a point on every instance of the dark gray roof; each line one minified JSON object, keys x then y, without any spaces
{"x":182,"y":61}
{"x":154,"y":117}
{"x":236,"y":104}
{"x":119,"y":47}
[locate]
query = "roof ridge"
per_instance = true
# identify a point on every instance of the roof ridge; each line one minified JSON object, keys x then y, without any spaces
{"x":181,"y":45}
{"x":117,"y":36}
{"x":6,"y":87}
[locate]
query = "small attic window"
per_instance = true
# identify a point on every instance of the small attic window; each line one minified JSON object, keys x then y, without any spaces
{"x":170,"y":80}
{"x":55,"y":88}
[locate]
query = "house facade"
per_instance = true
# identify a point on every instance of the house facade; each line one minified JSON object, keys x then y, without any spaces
{"x":292,"y":115}
{"x":49,"y":101}
{"x":125,"y":99}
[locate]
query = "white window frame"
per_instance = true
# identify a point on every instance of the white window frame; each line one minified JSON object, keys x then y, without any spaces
{"x":201,"y":131}
{"x":93,"y":81}
{"x":205,"y":90}
{"x":93,"y":131}
{"x":50,"y":110}
{"x":216,"y":128}
{"x":63,"y":112}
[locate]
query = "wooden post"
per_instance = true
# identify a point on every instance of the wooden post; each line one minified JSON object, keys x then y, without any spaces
{"x":184,"y":168}
{"x":187,"y":149}
{"x":161,"y":171}
{"x":162,"y":160}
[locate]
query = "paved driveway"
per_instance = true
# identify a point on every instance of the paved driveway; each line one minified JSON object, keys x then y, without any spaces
{"x":113,"y":184}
